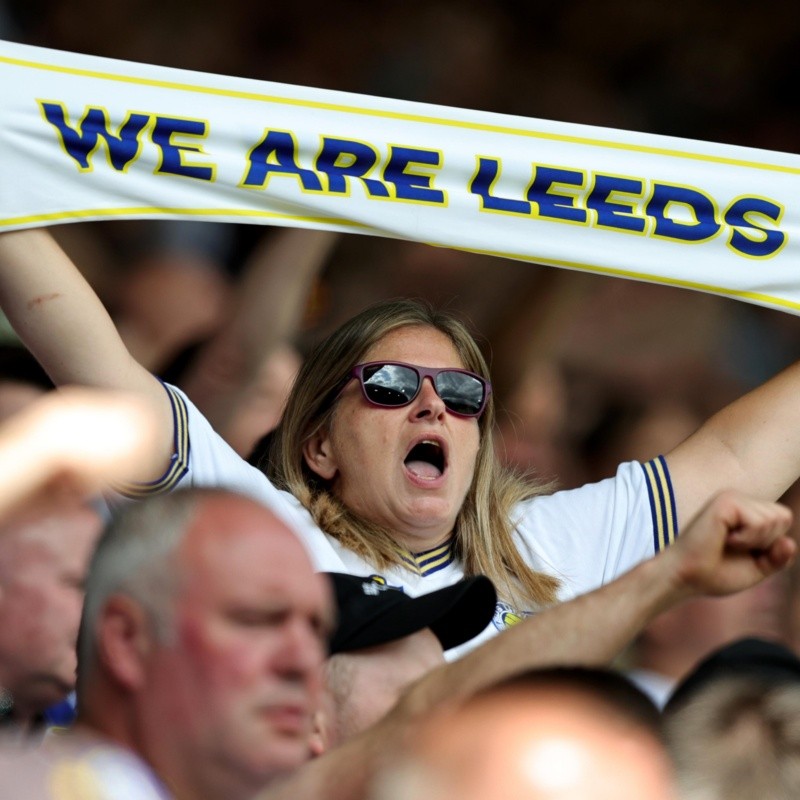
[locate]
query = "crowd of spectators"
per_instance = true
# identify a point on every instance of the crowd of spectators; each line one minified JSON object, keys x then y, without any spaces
{"x":588,"y":372}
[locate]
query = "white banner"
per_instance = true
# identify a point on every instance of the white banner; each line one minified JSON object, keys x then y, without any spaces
{"x":85,"y":138}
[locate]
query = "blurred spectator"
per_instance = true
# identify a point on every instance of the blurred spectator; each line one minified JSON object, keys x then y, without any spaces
{"x":733,"y":724}
{"x":674,"y":643}
{"x":738,"y":740}
{"x":531,"y":433}
{"x":47,"y":532}
{"x":44,"y":555}
{"x":260,"y":401}
{"x":559,"y":734}
{"x":202,"y":643}
{"x":168,"y":301}
{"x":199,"y":667}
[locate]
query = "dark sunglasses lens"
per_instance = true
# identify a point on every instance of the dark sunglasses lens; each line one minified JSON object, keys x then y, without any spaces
{"x":390,"y":384}
{"x":460,"y":392}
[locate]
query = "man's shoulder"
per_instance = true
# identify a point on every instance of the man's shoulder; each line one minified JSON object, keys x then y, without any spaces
{"x":73,"y":766}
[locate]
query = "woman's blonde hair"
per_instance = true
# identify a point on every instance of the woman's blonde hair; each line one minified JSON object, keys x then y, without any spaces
{"x":483,"y":536}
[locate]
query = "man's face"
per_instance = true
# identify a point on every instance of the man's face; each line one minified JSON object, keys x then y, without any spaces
{"x":241,"y":676}
{"x":43,"y":563}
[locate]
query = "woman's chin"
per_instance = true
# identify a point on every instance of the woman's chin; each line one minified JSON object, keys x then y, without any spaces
{"x":426,"y":524}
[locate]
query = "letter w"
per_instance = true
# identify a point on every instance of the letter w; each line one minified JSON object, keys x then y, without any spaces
{"x":81,"y":142}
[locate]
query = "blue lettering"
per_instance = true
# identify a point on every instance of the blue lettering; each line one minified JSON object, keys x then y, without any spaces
{"x":81,"y":142}
{"x":342,"y":159}
{"x":612,"y":213}
{"x":487,"y":173}
{"x":552,"y":204}
{"x":413,"y":185}
{"x":705,"y":225}
{"x":172,"y":160}
{"x":276,"y":153}
{"x":767,"y":242}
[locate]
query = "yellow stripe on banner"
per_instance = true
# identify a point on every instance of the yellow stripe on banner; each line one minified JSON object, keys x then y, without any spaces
{"x":648,"y":468}
{"x":667,"y":495}
{"x":385,"y":114}
{"x":757,"y":297}
{"x":189,"y":212}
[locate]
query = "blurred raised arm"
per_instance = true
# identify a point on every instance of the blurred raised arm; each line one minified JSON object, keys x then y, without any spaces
{"x":84,"y":440}
{"x":230,"y":377}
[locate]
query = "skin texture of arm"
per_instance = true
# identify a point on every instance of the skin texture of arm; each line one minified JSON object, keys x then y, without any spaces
{"x":61,"y":321}
{"x":752,"y":445}
{"x":732,"y":544}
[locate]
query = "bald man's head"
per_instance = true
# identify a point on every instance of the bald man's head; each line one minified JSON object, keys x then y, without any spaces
{"x":535,"y":742}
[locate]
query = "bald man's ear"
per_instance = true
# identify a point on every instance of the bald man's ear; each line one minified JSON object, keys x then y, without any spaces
{"x":320,"y":740}
{"x":124,"y":640}
{"x":318,"y":454}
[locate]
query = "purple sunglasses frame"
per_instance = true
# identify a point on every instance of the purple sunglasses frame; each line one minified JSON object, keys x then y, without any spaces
{"x":422,"y":372}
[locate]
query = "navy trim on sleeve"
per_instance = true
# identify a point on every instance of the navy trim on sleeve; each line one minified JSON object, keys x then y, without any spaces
{"x":179,"y":463}
{"x":662,"y":503}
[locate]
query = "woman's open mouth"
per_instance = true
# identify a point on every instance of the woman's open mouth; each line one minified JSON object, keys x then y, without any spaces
{"x":426,"y":460}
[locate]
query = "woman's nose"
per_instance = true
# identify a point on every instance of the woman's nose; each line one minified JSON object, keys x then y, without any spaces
{"x":427,"y":403}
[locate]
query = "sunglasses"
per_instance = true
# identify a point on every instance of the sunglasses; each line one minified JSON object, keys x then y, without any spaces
{"x":393,"y":384}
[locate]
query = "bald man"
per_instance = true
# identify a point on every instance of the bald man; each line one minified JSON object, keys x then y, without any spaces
{"x":563,"y":734}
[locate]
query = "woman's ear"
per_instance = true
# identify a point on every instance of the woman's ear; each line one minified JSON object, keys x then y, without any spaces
{"x":318,"y":454}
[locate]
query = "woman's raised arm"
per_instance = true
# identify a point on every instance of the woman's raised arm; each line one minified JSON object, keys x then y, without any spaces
{"x":62,"y":322}
{"x":752,"y":445}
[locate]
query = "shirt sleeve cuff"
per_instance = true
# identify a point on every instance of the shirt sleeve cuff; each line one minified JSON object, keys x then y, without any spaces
{"x":179,"y":462}
{"x":662,"y":503}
